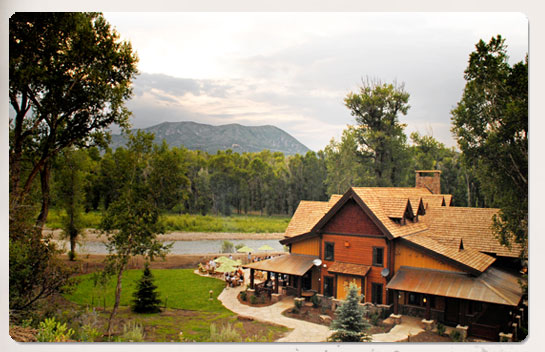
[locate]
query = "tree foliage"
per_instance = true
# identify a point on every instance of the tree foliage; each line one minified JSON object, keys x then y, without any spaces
{"x":69,"y":76}
{"x":349,"y":324}
{"x":69,"y":184}
{"x":376,"y":108}
{"x":490,"y":123}
{"x":131,"y":222}
{"x":146,"y":298}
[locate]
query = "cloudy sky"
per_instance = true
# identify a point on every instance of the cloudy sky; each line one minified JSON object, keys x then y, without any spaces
{"x":292,"y":70}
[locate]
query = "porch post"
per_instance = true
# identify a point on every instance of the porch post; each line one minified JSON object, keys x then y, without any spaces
{"x":299,"y":285}
{"x":268,"y":275}
{"x":396,"y":301}
{"x":428,"y":307}
{"x":252,"y":279}
{"x":276,"y":283}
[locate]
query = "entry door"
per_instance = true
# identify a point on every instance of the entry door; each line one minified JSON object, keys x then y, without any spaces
{"x":452,"y":310}
{"x":328,"y":286}
{"x":376,"y":293}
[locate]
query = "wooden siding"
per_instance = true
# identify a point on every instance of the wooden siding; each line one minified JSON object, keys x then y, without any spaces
{"x":343,"y":282}
{"x":351,"y":219}
{"x":406,"y":256}
{"x":309,"y":247}
{"x":359,"y":251}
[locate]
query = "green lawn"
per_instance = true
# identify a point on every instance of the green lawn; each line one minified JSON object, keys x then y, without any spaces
{"x":192,"y":222}
{"x":189,"y":308}
{"x":179,"y":288}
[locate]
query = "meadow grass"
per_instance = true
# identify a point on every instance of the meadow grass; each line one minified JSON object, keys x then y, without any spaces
{"x":192,"y":222}
{"x":178,"y":288}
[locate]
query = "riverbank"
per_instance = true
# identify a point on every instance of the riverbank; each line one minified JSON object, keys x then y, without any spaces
{"x":93,"y":235}
{"x":86,"y":263}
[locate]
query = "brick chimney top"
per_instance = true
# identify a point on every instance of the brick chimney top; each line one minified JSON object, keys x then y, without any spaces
{"x":431,"y":182}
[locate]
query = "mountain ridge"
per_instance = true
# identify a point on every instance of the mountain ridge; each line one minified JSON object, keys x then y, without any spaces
{"x":211,"y":138}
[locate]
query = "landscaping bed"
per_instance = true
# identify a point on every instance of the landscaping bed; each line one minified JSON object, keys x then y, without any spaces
{"x":260,"y":301}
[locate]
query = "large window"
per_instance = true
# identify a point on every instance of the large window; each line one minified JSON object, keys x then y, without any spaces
{"x":329,"y":251}
{"x":376,"y":293}
{"x":378,"y":256}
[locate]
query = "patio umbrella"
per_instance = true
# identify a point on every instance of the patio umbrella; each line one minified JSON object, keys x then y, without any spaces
{"x":225,"y":260}
{"x":226,"y":268}
{"x":245,"y":249}
{"x":265,"y":247}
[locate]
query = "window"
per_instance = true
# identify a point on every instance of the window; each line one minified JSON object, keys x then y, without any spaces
{"x":328,"y":286}
{"x":329,"y":251}
{"x":378,"y":256}
{"x":376,"y":293}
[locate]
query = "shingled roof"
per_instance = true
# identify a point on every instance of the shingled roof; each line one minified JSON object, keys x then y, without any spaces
{"x":439,"y":229}
{"x":308,"y":213}
{"x":473,"y":225}
{"x":473,"y":260}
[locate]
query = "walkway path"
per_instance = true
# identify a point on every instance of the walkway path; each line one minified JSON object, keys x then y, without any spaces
{"x":302,"y":331}
{"x":409,"y":325}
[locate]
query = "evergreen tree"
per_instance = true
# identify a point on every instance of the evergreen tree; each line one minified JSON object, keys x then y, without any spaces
{"x":146,"y":298}
{"x":349,"y":324}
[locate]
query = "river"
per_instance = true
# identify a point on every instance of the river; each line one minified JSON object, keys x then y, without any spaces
{"x":182,"y":247}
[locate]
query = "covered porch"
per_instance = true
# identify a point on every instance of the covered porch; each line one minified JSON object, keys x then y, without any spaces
{"x":295,"y":273}
{"x":485,"y":304}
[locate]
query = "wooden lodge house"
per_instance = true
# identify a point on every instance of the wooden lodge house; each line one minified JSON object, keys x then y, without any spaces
{"x":407,"y":248}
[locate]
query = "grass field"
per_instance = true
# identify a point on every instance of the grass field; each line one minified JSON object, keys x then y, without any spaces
{"x":193,"y":223}
{"x":189,"y":309}
{"x":179,"y":288}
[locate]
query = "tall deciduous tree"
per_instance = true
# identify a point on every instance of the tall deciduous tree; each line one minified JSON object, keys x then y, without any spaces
{"x":491,"y":125}
{"x":70,"y":184}
{"x":376,"y":108}
{"x":131,"y":222}
{"x":69,"y":76}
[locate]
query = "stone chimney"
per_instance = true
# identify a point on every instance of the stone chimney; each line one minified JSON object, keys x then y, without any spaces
{"x":430,"y":179}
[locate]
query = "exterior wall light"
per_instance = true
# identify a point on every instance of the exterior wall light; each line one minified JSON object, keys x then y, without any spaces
{"x":424,"y":300}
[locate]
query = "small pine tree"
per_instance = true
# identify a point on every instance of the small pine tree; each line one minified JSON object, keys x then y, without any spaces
{"x":349,"y":324}
{"x":146,"y":298}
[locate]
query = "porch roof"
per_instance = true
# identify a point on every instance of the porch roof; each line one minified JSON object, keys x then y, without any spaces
{"x":291,"y":264}
{"x":493,"y":286}
{"x":349,"y":269}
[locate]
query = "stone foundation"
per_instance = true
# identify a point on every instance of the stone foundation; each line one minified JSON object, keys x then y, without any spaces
{"x":275,"y":297}
{"x":396,"y":318}
{"x":462,"y":330}
{"x":427,"y":325}
{"x":506,"y":337}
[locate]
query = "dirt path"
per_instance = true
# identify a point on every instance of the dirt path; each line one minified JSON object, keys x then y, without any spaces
{"x":92,"y":235}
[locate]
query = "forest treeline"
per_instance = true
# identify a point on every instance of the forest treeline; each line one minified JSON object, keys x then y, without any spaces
{"x":267,"y":183}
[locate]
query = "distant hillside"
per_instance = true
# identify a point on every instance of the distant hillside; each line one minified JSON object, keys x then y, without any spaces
{"x":240,"y":139}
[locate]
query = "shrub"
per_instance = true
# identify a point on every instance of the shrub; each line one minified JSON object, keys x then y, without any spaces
{"x":455,"y":336}
{"x":88,"y":333}
{"x":375,"y":319}
{"x":315,"y":301}
{"x":132,"y":332}
{"x":226,"y":333}
{"x":238,"y":246}
{"x":440,"y":329}
{"x":243,"y":295}
{"x":262,"y":299}
{"x":227,"y":247}
{"x":253,"y":299}
{"x":52,"y":331}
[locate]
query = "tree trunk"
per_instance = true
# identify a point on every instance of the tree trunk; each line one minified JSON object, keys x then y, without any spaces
{"x":45,"y":174}
{"x":73,"y":236}
{"x":117,"y":296}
